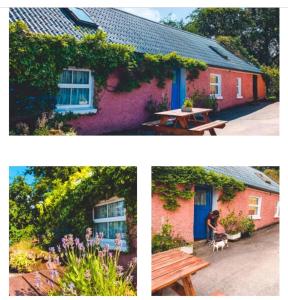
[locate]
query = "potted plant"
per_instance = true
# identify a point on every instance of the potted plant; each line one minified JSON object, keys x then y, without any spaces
{"x":187,"y":105}
{"x":247,"y":226}
{"x":231,"y":224}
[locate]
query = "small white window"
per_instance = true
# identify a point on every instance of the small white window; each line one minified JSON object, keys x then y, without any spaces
{"x":75,"y":90}
{"x":277,"y":213}
{"x":109,"y":217}
{"x":239,"y":87}
{"x":216,"y":86}
{"x":254,"y":207}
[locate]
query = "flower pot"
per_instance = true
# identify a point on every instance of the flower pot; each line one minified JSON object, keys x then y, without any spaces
{"x":234,"y":237}
{"x":186,"y":109}
{"x":246,"y":234}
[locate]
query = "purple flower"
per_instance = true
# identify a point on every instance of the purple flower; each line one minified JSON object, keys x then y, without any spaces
{"x":37,"y":279}
{"x":77,"y":242}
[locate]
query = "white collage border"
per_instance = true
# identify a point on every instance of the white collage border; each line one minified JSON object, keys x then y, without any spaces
{"x":142,"y":152}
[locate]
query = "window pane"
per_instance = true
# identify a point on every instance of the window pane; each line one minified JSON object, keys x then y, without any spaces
{"x":63,"y":97}
{"x":213,"y":79}
{"x":253,"y":211}
{"x":81,"y":77}
{"x":100,"y":212}
{"x":200,"y":198}
{"x":101,"y":227}
{"x":253,"y":201}
{"x":117,"y":227}
{"x":66,"y":77}
{"x":214,"y":89}
{"x":80,"y":97}
{"x":116,"y":209}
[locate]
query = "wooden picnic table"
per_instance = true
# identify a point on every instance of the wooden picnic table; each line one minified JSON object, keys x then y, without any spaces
{"x":177,"y":122}
{"x":26,"y":284}
{"x":170,"y":266}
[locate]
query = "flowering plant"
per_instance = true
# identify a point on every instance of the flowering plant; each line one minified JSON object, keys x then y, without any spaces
{"x":90,"y":269}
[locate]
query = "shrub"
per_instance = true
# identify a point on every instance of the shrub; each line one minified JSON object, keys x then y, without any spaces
{"x":21,"y":261}
{"x":153,"y":106}
{"x":271,"y":77}
{"x":90,"y":269}
{"x":201,"y":99}
{"x":165,"y":240}
{"x":246,"y":225}
{"x":231,"y":223}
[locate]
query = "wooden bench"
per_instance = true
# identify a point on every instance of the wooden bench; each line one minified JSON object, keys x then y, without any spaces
{"x":199,"y":130}
{"x":156,"y":122}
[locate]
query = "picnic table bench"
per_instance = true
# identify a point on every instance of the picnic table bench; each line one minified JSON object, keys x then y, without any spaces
{"x":171,"y":266}
{"x":177,"y":122}
{"x":26,"y":284}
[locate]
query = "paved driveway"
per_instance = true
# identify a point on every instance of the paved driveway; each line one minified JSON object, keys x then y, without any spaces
{"x":253,"y":119}
{"x":249,"y":267}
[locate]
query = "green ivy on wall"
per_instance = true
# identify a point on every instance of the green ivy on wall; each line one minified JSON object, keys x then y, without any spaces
{"x":37,"y":60}
{"x":172,"y":183}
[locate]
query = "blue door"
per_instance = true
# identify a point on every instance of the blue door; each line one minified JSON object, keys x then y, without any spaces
{"x":202,"y":207}
{"x":178,"y":88}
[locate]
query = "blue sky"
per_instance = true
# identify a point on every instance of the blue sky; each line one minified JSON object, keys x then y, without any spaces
{"x":158,"y":13}
{"x":18,"y":171}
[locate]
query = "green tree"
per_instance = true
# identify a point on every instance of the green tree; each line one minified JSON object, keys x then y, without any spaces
{"x":21,"y":210}
{"x":170,"y":21}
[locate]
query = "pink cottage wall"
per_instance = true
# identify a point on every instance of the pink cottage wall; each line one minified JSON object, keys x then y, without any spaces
{"x":123,"y":111}
{"x":182,"y":219}
{"x":229,"y":93}
{"x":120,"y":111}
{"x":240,"y":203}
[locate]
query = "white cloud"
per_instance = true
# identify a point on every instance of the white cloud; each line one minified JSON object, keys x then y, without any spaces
{"x":148,"y":13}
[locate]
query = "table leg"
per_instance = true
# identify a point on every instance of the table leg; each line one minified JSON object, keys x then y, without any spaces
{"x":188,"y":286}
{"x":163,"y":120}
{"x":206,"y":118}
{"x":212,"y":131}
{"x":182,"y":122}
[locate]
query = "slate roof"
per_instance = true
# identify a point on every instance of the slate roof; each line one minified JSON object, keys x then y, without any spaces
{"x":124,"y":28}
{"x":250,"y":176}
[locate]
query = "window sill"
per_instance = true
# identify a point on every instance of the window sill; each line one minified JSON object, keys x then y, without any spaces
{"x":77,"y":111}
{"x":239,"y":97}
{"x":216,"y":97}
{"x":255,"y":217}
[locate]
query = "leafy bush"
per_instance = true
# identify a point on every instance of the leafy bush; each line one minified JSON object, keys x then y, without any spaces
{"x":201,"y":99}
{"x":21,"y":261}
{"x":271,"y":77}
{"x":89,"y":269}
{"x":246,"y":225}
{"x":165,"y":240}
{"x":231,"y":223}
{"x":153,"y":106}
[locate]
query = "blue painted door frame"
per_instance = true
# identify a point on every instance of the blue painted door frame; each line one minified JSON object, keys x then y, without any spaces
{"x":202,"y":207}
{"x":178,"y":88}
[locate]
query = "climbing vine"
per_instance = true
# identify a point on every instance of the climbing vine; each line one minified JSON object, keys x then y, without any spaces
{"x":172,"y":183}
{"x":37,"y":60}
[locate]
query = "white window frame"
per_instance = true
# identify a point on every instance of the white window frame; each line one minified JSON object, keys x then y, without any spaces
{"x":239,"y":88}
{"x":110,"y":242}
{"x":90,"y":85}
{"x":258,"y":205}
{"x":277,"y":213}
{"x":219,"y":85}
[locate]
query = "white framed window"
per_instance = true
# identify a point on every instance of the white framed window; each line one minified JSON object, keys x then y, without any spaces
{"x":109,"y":217}
{"x":239,"y":88}
{"x":216,"y":86}
{"x":277,"y":212}
{"x":254,"y":207}
{"x":76,"y":87}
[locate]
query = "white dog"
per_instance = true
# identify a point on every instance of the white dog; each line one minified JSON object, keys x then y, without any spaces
{"x":220,"y":244}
